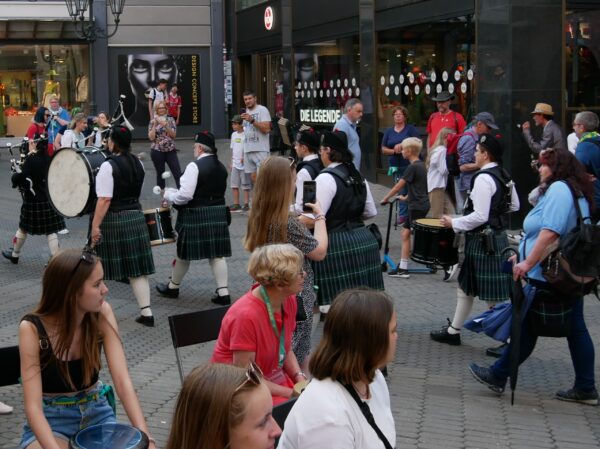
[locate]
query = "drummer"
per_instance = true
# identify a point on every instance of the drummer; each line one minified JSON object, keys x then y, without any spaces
{"x":202,"y":220}
{"x":415,"y":177}
{"x":492,"y":197}
{"x":119,"y":230}
{"x":37,"y":216}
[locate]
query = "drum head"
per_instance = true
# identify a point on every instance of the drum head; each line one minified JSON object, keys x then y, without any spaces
{"x":112,"y":435}
{"x":429,"y":222}
{"x":69,"y":182}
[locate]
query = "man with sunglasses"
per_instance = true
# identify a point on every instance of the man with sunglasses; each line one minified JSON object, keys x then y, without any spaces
{"x":202,"y":220}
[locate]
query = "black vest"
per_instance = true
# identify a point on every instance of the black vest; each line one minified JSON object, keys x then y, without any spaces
{"x":313,"y":167}
{"x":128,"y":176}
{"x":211,"y":185}
{"x":500,"y":204}
{"x":32,"y":179}
{"x":348,"y":204}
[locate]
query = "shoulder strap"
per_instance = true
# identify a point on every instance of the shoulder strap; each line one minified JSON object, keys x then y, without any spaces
{"x":366,"y":411}
{"x":337,"y":172}
{"x":576,"y":201}
{"x":41,"y":330}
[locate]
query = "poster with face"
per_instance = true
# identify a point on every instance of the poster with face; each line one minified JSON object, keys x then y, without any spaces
{"x":140,"y":73}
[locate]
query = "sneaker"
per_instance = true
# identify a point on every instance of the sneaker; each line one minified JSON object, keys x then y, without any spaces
{"x":63,"y":231}
{"x":485,"y":376}
{"x":399,"y":273}
{"x":246,"y":207}
{"x":235,"y":208}
{"x":583,"y":397}
{"x":5,"y":409}
{"x":450,"y":272}
{"x":442,"y":336}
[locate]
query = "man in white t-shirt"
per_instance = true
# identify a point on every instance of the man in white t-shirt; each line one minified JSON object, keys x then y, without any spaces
{"x":257,"y":126}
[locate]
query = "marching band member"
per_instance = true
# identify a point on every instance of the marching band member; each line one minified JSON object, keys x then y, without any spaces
{"x":37,"y":215}
{"x":119,"y":230}
{"x":202,"y":220}
{"x":484,"y":222}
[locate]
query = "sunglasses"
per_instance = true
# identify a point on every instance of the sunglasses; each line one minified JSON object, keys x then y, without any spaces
{"x":292,"y":161}
{"x":253,"y":376}
{"x":87,"y":255}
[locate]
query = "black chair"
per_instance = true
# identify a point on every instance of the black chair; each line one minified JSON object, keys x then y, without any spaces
{"x":10,"y":360}
{"x":193,"y":328}
{"x":280,"y":413}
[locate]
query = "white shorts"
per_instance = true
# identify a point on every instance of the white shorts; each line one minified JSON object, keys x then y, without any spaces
{"x":253,"y":160}
{"x":238,"y":176}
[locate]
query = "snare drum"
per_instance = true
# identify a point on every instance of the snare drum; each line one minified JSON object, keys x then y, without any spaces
{"x":159,"y":225}
{"x":72,"y":180}
{"x":112,"y":435}
{"x":433,"y":244}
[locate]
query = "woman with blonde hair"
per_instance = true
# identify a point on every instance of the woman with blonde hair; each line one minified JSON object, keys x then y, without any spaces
{"x":437,"y":176}
{"x":60,"y":344}
{"x":162,"y":132}
{"x":223,"y":407}
{"x":271,"y":221}
{"x":74,"y":137}
{"x":259,"y":326}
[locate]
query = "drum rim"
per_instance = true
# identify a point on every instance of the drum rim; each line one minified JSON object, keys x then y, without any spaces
{"x":425,"y":225}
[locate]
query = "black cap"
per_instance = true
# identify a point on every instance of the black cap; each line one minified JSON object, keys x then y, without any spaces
{"x":336,"y":140}
{"x":206,"y":138}
{"x":309,"y":137}
{"x":492,"y":145}
{"x":121,"y":136}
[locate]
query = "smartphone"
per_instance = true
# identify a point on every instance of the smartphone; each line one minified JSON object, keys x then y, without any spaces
{"x":309,"y":194}
{"x":242,"y":111}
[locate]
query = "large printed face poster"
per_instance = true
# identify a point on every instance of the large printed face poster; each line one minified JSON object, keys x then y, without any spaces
{"x":138,"y":74}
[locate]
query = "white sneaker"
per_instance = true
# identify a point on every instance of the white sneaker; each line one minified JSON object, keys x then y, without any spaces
{"x":5,"y":409}
{"x":450,"y":273}
{"x":63,"y":231}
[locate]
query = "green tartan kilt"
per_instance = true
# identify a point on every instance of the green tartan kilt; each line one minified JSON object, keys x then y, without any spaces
{"x":38,"y":218}
{"x":202,"y":233}
{"x":125,"y":246}
{"x":481,"y":274}
{"x":352,"y":261}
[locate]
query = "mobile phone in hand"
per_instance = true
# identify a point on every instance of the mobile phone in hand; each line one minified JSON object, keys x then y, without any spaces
{"x":309,"y":194}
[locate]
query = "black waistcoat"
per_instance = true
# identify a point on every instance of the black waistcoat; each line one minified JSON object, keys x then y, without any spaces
{"x":211,"y":185}
{"x":348,"y":204}
{"x":128,"y":176}
{"x":498,"y":216}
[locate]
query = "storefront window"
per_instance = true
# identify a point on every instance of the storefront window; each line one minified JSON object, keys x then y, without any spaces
{"x":30,"y":74}
{"x":416,"y":62}
{"x":327,"y":75}
{"x":583,"y":58}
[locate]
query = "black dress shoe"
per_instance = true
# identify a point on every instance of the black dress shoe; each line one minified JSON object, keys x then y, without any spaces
{"x":7,"y":253}
{"x":164,"y":290}
{"x":497,"y":351}
{"x":221,"y":300}
{"x":442,"y":336}
{"x":145,"y":320}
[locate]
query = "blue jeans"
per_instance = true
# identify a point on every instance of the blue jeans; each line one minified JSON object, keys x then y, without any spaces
{"x":402,"y":205}
{"x":581,"y":348}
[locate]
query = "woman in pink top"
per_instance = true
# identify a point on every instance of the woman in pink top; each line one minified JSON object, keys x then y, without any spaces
{"x":259,"y":326}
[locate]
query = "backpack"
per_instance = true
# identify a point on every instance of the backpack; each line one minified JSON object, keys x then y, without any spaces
{"x":452,"y":151}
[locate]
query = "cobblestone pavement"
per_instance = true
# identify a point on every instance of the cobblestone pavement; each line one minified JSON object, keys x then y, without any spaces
{"x":436,"y":403}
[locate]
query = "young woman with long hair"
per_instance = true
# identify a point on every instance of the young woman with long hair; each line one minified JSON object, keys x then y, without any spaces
{"x":60,"y":344}
{"x":437,"y":176}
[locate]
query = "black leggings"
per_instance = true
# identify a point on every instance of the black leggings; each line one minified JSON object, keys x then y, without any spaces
{"x":170,"y":157}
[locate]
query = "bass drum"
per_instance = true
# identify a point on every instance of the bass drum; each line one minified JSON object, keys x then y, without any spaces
{"x":72,"y":180}
{"x":433,"y":244}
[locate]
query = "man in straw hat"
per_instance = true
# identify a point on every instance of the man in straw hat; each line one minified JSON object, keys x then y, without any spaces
{"x":552,"y":136}
{"x":202,"y":221}
{"x":444,"y":117}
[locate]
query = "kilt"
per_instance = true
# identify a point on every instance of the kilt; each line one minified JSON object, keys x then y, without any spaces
{"x":352,"y":261}
{"x":481,"y":274}
{"x":38,"y":218}
{"x":202,"y":233}
{"x":125,"y":246}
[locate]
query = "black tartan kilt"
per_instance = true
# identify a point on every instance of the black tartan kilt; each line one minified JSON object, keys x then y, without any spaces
{"x":481,"y":274}
{"x":352,"y":261}
{"x":125,"y":248}
{"x":202,"y":233}
{"x":38,"y":218}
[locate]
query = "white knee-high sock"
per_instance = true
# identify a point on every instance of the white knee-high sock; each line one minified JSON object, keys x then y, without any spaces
{"x":141,"y":291}
{"x":53,"y":243}
{"x":180,"y":268}
{"x":219,"y":269}
{"x":18,"y":242}
{"x":464,"y":305}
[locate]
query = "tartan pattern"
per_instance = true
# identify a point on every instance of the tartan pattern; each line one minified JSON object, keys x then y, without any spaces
{"x":352,"y":261}
{"x":125,"y":246}
{"x":481,"y":273}
{"x":38,"y":218}
{"x":550,"y":319}
{"x":202,"y":233}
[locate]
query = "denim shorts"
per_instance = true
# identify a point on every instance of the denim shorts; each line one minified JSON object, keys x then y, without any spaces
{"x":66,"y":420}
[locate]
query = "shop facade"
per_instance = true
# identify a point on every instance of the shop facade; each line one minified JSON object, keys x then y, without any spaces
{"x":306,"y":59}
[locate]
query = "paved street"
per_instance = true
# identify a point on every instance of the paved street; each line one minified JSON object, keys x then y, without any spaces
{"x":436,"y":403}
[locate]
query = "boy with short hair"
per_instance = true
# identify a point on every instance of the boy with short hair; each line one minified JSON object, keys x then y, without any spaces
{"x":415,"y":177}
{"x":238,"y":175}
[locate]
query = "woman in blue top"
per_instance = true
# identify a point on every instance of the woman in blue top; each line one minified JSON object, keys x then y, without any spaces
{"x":391,"y":146}
{"x":553,"y":215}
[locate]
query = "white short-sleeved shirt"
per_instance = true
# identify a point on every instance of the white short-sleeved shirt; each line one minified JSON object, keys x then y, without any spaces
{"x":105,"y":182}
{"x":255,"y":140}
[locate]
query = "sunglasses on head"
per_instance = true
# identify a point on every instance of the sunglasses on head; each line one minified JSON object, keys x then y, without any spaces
{"x":87,"y":255}
{"x":253,"y":376}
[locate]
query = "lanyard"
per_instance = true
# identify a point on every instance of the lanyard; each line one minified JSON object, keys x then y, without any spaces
{"x":267,"y":301}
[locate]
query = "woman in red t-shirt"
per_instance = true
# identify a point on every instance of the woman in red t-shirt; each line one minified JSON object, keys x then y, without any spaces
{"x":259,"y":326}
{"x":38,"y":124}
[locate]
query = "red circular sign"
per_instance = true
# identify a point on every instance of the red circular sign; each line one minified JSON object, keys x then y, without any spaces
{"x":269,"y":18}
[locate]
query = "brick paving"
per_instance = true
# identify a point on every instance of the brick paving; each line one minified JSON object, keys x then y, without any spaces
{"x":435,"y":402}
